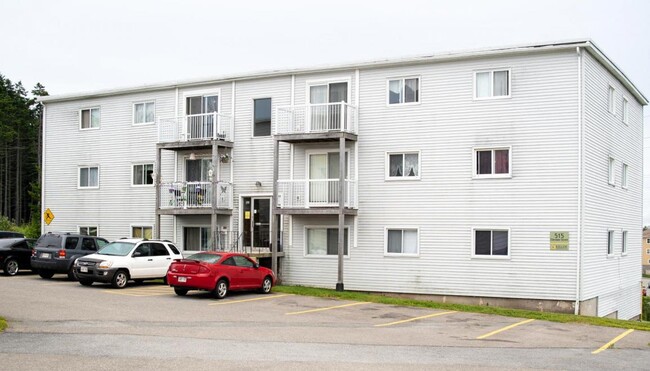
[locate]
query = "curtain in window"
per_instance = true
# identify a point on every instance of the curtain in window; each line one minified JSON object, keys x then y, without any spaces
{"x":411,"y":164}
{"x":411,"y":90}
{"x":193,"y":170}
{"x":85,"y":119}
{"x":410,"y":242}
{"x":150,"y":115}
{"x":205,"y":238}
{"x":394,"y":91}
{"x":93,"y":177}
{"x":206,"y":163}
{"x":499,"y":243}
{"x":396,"y":165}
{"x":94,"y":119}
{"x":138,"y":174}
{"x":139,"y":113}
{"x":501,"y":160}
{"x":483,"y":84}
{"x":317,"y":241}
{"x":192,"y":239}
{"x":500,"y":83}
{"x":395,"y":241}
{"x":318,"y":116}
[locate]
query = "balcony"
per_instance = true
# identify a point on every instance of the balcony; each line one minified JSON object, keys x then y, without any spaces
{"x":319,"y":195}
{"x":317,"y":121}
{"x":196,"y":128}
{"x":194,"y":197}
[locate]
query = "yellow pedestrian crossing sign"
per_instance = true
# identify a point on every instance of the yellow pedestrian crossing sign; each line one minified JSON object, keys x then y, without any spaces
{"x":48,"y":216}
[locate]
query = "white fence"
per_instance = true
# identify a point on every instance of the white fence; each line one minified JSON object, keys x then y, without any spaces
{"x":315,"y":193}
{"x":205,"y":126}
{"x":183,"y":195}
{"x":316,"y":118}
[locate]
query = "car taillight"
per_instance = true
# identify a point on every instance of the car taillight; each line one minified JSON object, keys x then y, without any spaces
{"x":173,"y":269}
{"x":203,"y":270}
{"x":62,"y":253}
{"x":33,"y":252}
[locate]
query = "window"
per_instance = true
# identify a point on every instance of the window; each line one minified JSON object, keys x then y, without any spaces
{"x":624,"y":243}
{"x":241,"y":261}
{"x":324,"y":241}
{"x":144,"y":113}
{"x":405,"y":90}
{"x":648,"y":241}
{"x":624,"y":176}
{"x":142,"y":232}
{"x":174,"y":249}
{"x":626,"y":114}
{"x":88,"y":231}
{"x":101,"y":243}
{"x":403,"y":165}
{"x":492,"y":84}
{"x":88,"y":244}
{"x":90,"y":118}
{"x":158,"y":249}
{"x":491,"y":242}
{"x":142,"y":174}
{"x":402,"y":241}
{"x":71,"y":243}
{"x":611,"y":179}
{"x":89,"y":177}
{"x":142,"y":250}
{"x":492,"y":163}
{"x":261,"y":117}
{"x":610,"y":101}
{"x":610,"y":242}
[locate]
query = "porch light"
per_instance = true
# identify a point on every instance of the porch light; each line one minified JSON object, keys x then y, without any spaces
{"x":192,"y":156}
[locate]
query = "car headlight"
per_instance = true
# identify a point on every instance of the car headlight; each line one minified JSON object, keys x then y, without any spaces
{"x":105,"y":264}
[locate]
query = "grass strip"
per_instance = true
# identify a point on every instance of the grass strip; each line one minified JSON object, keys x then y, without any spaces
{"x":3,"y":324}
{"x":507,"y":312}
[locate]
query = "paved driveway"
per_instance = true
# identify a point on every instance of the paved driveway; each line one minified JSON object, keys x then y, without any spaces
{"x":58,"y":324}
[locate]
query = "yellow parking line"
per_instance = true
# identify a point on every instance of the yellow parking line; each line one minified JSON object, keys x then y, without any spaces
{"x":327,"y":308}
{"x":253,"y":299}
{"x":505,"y":328}
{"x":126,"y":293}
{"x":614,"y":340}
{"x":414,"y":319}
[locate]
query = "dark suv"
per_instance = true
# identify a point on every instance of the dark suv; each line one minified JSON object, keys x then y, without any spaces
{"x":56,"y":252}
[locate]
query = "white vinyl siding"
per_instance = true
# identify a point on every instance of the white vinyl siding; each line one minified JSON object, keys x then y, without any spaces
{"x":403,"y":90}
{"x":492,"y":84}
{"x":401,"y":242}
{"x":89,"y":118}
{"x":144,"y":113}
{"x":89,"y":177}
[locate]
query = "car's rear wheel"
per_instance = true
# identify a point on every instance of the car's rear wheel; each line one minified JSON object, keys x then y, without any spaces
{"x":11,"y":267}
{"x":267,"y":284}
{"x":221,"y":290}
{"x":86,"y":282}
{"x":180,"y":291}
{"x":120,"y":279}
{"x":45,"y":273}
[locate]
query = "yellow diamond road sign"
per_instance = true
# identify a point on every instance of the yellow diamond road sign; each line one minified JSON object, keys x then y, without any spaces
{"x":48,"y":216}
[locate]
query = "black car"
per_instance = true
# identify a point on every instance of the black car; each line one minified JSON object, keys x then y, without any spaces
{"x":15,"y":254}
{"x":56,"y":252}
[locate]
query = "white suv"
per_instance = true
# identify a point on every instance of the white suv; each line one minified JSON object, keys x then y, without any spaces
{"x":127,"y":259}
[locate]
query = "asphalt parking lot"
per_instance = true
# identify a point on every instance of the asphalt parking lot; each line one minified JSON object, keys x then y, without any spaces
{"x":58,"y":324}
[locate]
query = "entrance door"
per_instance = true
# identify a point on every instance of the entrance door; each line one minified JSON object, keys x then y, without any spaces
{"x":200,"y":125}
{"x":325,"y":116}
{"x":257,"y":222}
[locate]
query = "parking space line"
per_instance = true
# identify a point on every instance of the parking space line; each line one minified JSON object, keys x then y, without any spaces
{"x":253,"y":299}
{"x":327,"y":308}
{"x":414,"y":319}
{"x":127,"y":293}
{"x":611,"y":342}
{"x":505,"y":328}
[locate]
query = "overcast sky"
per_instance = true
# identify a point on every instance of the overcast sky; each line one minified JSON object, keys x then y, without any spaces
{"x":75,"y":46}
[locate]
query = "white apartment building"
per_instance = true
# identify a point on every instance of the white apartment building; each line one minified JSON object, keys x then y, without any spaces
{"x":508,"y":177}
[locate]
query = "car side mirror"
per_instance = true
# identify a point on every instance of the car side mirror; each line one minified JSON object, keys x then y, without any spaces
{"x":256,"y":265}
{"x":136,"y":254}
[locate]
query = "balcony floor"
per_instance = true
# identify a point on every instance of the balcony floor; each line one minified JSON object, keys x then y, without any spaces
{"x":314,"y":211}
{"x":194,"y":211}
{"x":194,"y":144}
{"x":315,"y":137}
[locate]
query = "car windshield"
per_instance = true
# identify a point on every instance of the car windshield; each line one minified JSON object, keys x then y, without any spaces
{"x":203,"y":257}
{"x":117,"y":248}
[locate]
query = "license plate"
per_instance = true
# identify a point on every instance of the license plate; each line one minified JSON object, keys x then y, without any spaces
{"x":46,"y":255}
{"x":182,"y":279}
{"x":83,"y":269}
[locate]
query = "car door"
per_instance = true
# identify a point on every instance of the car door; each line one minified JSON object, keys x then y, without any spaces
{"x":161,"y":259}
{"x":247,"y":272}
{"x":23,"y":253}
{"x":230,"y":270}
{"x":141,"y":262}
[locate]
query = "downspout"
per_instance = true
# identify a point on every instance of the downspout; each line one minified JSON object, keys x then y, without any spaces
{"x":580,"y":181}
{"x":356,"y":156}
{"x":44,"y":142}
{"x":232,"y":162}
{"x":175,"y":168}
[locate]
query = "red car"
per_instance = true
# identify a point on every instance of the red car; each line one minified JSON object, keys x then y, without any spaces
{"x":218,"y":272}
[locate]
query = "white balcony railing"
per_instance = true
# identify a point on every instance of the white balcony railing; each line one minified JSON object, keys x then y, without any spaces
{"x":316,"y":118}
{"x":205,"y":126}
{"x":183,"y":195}
{"x":308,"y":193}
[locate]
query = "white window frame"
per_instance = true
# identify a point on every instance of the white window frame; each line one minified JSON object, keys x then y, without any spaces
{"x":624,"y":176}
{"x":611,"y":100}
{"x":79,"y":176}
{"x":476,"y":175}
{"x":145,"y":113}
{"x":403,"y":177}
{"x":491,"y":229}
{"x":153,"y":166}
{"x":98,"y":108}
{"x":623,"y":243}
{"x":141,"y":225}
{"x":306,"y":253}
{"x":611,"y":176}
{"x":402,"y":228}
{"x":403,"y":80}
{"x":79,"y":227}
{"x":626,"y":111}
{"x":610,"y":243}
{"x":492,"y":96}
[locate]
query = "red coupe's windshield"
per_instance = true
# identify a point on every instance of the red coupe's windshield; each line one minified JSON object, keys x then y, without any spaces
{"x":203,"y":257}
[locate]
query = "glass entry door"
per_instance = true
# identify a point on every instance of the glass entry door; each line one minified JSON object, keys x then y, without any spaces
{"x":257,"y":222}
{"x":324,"y":178}
{"x":200,"y":124}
